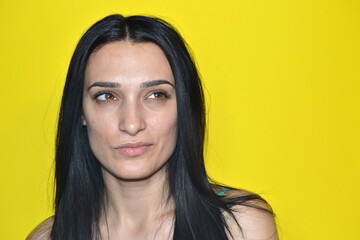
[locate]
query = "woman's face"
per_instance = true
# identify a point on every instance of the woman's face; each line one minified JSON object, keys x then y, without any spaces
{"x":129,"y":105}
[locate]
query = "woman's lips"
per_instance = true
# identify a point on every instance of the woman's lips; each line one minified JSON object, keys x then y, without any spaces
{"x":133,"y":149}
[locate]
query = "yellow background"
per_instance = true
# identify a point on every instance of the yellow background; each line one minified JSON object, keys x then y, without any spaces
{"x":282,"y":85}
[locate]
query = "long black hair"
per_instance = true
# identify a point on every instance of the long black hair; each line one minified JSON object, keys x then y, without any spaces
{"x":79,"y":183}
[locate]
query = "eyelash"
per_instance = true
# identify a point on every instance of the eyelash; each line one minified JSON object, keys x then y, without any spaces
{"x":97,"y":95}
{"x":165,"y":95}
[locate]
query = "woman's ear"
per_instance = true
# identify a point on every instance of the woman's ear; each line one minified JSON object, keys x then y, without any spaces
{"x":83,"y":121}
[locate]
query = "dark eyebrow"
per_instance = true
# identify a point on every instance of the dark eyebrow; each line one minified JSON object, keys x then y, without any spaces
{"x":117,"y":85}
{"x":155,"y":83}
{"x":105,"y":85}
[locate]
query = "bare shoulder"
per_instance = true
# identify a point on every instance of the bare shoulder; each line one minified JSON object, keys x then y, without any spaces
{"x":255,"y":219}
{"x":42,"y":231}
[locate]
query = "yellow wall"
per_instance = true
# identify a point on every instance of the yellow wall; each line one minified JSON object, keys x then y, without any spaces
{"x":282,"y":79}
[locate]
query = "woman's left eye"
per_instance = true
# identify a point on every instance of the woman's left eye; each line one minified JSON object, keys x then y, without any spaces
{"x":158,"y":95}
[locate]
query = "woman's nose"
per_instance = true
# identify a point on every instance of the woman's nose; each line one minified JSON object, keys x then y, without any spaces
{"x":131,"y":118}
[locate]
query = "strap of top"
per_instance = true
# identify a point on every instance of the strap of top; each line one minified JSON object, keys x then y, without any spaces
{"x":223,"y":191}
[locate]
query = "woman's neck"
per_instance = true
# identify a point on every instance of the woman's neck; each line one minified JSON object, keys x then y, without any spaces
{"x":136,"y":206}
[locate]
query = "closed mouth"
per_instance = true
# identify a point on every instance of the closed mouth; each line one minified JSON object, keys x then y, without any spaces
{"x":133,"y":149}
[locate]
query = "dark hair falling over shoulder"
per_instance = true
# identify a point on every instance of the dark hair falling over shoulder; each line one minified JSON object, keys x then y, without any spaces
{"x":79,"y":183}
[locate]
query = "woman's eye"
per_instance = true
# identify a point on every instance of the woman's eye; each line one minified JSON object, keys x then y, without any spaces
{"x":158,"y":95}
{"x":106,"y":97}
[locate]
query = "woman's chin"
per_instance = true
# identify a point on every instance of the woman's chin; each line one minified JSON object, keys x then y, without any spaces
{"x":133,"y":174}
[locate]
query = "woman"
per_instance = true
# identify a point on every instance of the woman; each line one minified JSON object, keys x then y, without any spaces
{"x":129,"y":155}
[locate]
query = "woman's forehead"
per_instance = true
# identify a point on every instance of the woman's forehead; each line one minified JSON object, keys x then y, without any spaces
{"x":123,"y":60}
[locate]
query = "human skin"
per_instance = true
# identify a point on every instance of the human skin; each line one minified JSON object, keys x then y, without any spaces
{"x":130,"y":112}
{"x":129,"y":105}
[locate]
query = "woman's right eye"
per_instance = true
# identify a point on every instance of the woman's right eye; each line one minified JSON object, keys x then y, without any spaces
{"x":105,"y":97}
